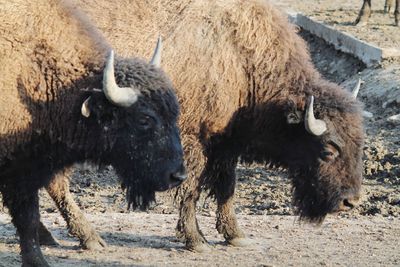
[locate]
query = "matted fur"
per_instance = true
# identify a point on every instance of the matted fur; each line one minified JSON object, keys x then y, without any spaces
{"x":29,"y":58}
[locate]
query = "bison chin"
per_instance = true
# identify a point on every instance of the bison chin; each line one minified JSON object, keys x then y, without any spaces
{"x":314,"y":197}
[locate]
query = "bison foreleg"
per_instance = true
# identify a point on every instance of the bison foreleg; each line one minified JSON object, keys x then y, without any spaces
{"x":187,"y":227}
{"x":364,"y":14}
{"x":397,"y":13}
{"x":222,"y":184}
{"x":78,"y":226}
{"x":23,"y":206}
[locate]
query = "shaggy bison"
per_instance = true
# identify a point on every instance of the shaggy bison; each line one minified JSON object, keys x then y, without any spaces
{"x":248,"y":91}
{"x":52,"y":115}
{"x":365,"y":11}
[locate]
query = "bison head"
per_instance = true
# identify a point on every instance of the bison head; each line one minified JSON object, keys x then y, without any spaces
{"x":325,"y":161}
{"x":137,"y":115}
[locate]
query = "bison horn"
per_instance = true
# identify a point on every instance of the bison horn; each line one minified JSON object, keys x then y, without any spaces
{"x":313,"y":125}
{"x":156,"y":59}
{"x":356,"y":88}
{"x":119,"y":96}
{"x":85,"y":110}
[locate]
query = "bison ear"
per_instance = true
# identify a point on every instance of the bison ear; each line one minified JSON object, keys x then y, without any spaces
{"x":85,"y":110}
{"x":292,"y":113}
{"x":294,"y":117}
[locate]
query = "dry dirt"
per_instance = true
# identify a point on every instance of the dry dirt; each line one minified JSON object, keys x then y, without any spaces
{"x":141,"y":239}
{"x":366,"y":236}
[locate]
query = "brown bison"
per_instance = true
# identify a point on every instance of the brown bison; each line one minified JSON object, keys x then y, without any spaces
{"x":365,"y":11}
{"x":248,"y":91}
{"x":52,"y":115}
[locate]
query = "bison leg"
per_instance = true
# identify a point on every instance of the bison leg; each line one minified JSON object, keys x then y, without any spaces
{"x":24,"y":210}
{"x":397,"y":13}
{"x":187,"y":227}
{"x":364,"y":14}
{"x":222,"y":183}
{"x":78,"y":226}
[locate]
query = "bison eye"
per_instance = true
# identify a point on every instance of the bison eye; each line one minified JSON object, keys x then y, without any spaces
{"x":327,"y":156}
{"x":329,"y":153}
{"x":145,"y":122}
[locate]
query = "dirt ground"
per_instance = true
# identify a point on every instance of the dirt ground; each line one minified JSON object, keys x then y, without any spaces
{"x":366,"y":236}
{"x":142,"y":239}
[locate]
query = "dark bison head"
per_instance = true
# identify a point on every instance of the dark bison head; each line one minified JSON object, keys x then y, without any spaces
{"x":137,"y":115}
{"x":325,"y":161}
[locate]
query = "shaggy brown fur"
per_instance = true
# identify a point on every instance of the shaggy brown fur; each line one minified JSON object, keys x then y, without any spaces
{"x":30,"y":59}
{"x":365,"y":11}
{"x":241,"y":72}
{"x":51,"y":62}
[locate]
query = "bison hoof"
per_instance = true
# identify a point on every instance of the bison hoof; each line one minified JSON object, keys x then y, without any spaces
{"x":34,"y":259}
{"x":360,"y":23}
{"x":180,"y":236}
{"x":94,"y":243}
{"x":240,"y":242}
{"x":49,"y":241}
{"x":200,"y":248}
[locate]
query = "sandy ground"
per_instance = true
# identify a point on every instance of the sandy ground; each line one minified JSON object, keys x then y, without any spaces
{"x":366,"y":236}
{"x":141,"y":239}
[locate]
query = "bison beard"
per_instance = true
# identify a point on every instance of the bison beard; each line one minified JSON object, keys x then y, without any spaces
{"x":139,"y":190}
{"x":139,"y":195}
{"x":312,"y":199}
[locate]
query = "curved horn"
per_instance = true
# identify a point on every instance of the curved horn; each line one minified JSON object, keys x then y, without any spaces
{"x":313,"y":125}
{"x":156,"y":59}
{"x":85,"y":110}
{"x":119,"y":96}
{"x":354,"y":92}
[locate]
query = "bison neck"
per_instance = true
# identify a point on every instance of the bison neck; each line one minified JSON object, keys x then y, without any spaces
{"x":36,"y":162}
{"x":263,"y":135}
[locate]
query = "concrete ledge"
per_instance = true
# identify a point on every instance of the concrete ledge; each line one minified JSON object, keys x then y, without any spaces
{"x":367,"y":53}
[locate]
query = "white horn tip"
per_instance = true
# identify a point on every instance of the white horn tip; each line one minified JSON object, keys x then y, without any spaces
{"x":85,"y":108}
{"x":111,"y":56}
{"x":156,"y":59}
{"x":311,"y":101}
{"x":356,"y":89}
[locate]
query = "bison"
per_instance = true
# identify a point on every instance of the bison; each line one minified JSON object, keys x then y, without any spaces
{"x":248,"y":91}
{"x":365,"y":12}
{"x":52,"y":114}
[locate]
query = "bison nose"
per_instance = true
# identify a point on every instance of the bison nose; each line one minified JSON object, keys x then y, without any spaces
{"x":349,"y":203}
{"x":179,"y":175}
